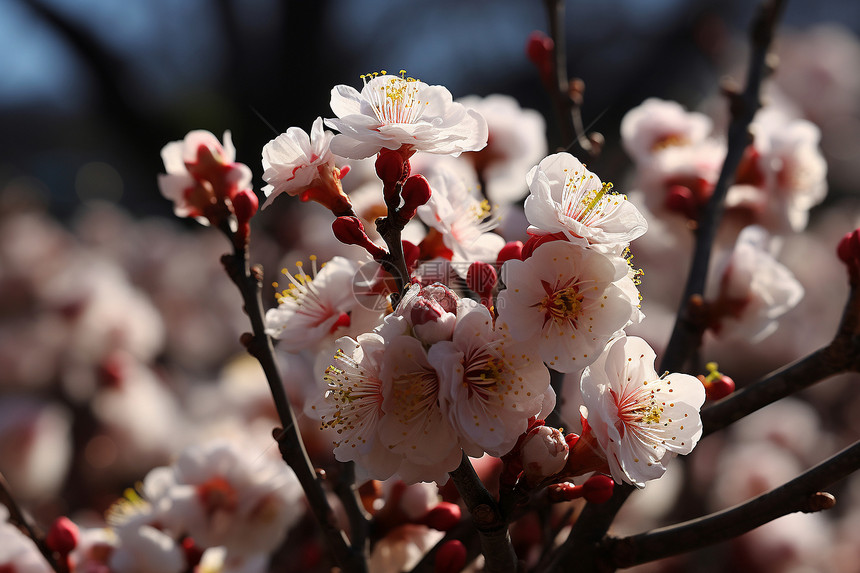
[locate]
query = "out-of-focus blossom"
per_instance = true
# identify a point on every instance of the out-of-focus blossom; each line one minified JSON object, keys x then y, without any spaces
{"x":201,"y":174}
{"x":143,"y":548}
{"x":641,"y":420}
{"x":516,"y":141}
{"x":35,"y":446}
{"x":655,"y":125}
{"x":402,"y":548}
{"x":313,"y":306}
{"x":754,"y":289}
{"x":785,"y":172}
{"x":395,"y":112}
{"x":490,"y":384}
{"x":221,"y":494}
{"x":564,"y":300}
{"x":18,"y":553}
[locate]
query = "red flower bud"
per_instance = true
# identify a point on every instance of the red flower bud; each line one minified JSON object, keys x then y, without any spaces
{"x":539,"y":48}
{"x":415,"y":192}
{"x":536,"y":241}
{"x":245,"y":204}
{"x":443,"y":517}
{"x":680,"y":199}
{"x":511,"y":251}
{"x":63,"y":536}
{"x":411,"y":253}
{"x":390,"y":166}
{"x":481,"y":278}
{"x":719,"y":388}
{"x":598,"y":489}
{"x":451,"y":557}
{"x":350,"y":231}
{"x":849,"y":249}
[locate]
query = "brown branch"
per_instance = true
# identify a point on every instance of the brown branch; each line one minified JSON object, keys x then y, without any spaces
{"x":566,"y":101}
{"x":687,"y":334}
{"x":800,"y":494}
{"x":488,"y":519}
{"x":259,"y":345}
{"x":20,"y":520}
{"x":582,"y":544}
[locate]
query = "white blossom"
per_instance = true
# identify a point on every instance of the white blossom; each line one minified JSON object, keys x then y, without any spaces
{"x":489,"y":384}
{"x":565,"y":197}
{"x":567,"y":300}
{"x":655,"y":125}
{"x":639,"y":419}
{"x":393,"y":111}
{"x":295,"y":161}
{"x":313,"y":306}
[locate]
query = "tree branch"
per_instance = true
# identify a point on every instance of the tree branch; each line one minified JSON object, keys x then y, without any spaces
{"x":687,"y":334}
{"x":289,"y":439}
{"x":488,"y":519}
{"x":800,"y":494}
{"x":568,"y":105}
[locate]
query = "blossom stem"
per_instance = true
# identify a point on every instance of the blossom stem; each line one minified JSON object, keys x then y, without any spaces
{"x":391,"y":228}
{"x":488,"y":519}
{"x":800,"y":494}
{"x":259,"y":345}
{"x":18,"y":518}
{"x":689,"y":328}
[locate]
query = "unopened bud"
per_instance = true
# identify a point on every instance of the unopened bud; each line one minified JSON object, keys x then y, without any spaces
{"x":245,"y":205}
{"x":544,"y":453}
{"x":680,"y":199}
{"x":539,"y":48}
{"x":481,"y":278}
{"x":451,"y":557}
{"x":390,"y":166}
{"x":411,"y":252}
{"x":350,"y":231}
{"x":63,"y":536}
{"x":443,"y":517}
{"x":849,"y":249}
{"x":430,"y":322}
{"x":719,"y":388}
{"x":598,"y":489}
{"x":511,"y":251}
{"x":415,"y":192}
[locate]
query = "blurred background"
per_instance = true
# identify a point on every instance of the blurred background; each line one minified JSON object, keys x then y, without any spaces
{"x":118,"y":330}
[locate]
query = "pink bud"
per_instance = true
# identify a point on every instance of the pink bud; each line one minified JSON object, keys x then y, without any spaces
{"x":451,"y":557}
{"x":598,"y":489}
{"x":544,"y":453}
{"x":390,"y":166}
{"x":481,"y":278}
{"x":511,"y":251}
{"x":415,"y":192}
{"x":443,"y":517}
{"x":430,"y":322}
{"x":63,"y":536}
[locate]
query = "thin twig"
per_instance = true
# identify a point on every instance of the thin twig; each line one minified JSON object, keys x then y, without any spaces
{"x":346,"y":490}
{"x":800,"y":494}
{"x":491,"y":525}
{"x":19,"y":519}
{"x":687,"y":334}
{"x":289,"y":439}
{"x":568,"y":110}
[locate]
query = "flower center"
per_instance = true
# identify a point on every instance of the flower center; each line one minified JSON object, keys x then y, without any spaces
{"x":393,"y":98}
{"x":562,"y":305}
{"x":483,"y":375}
{"x":638,"y":407}
{"x":584,"y":202}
